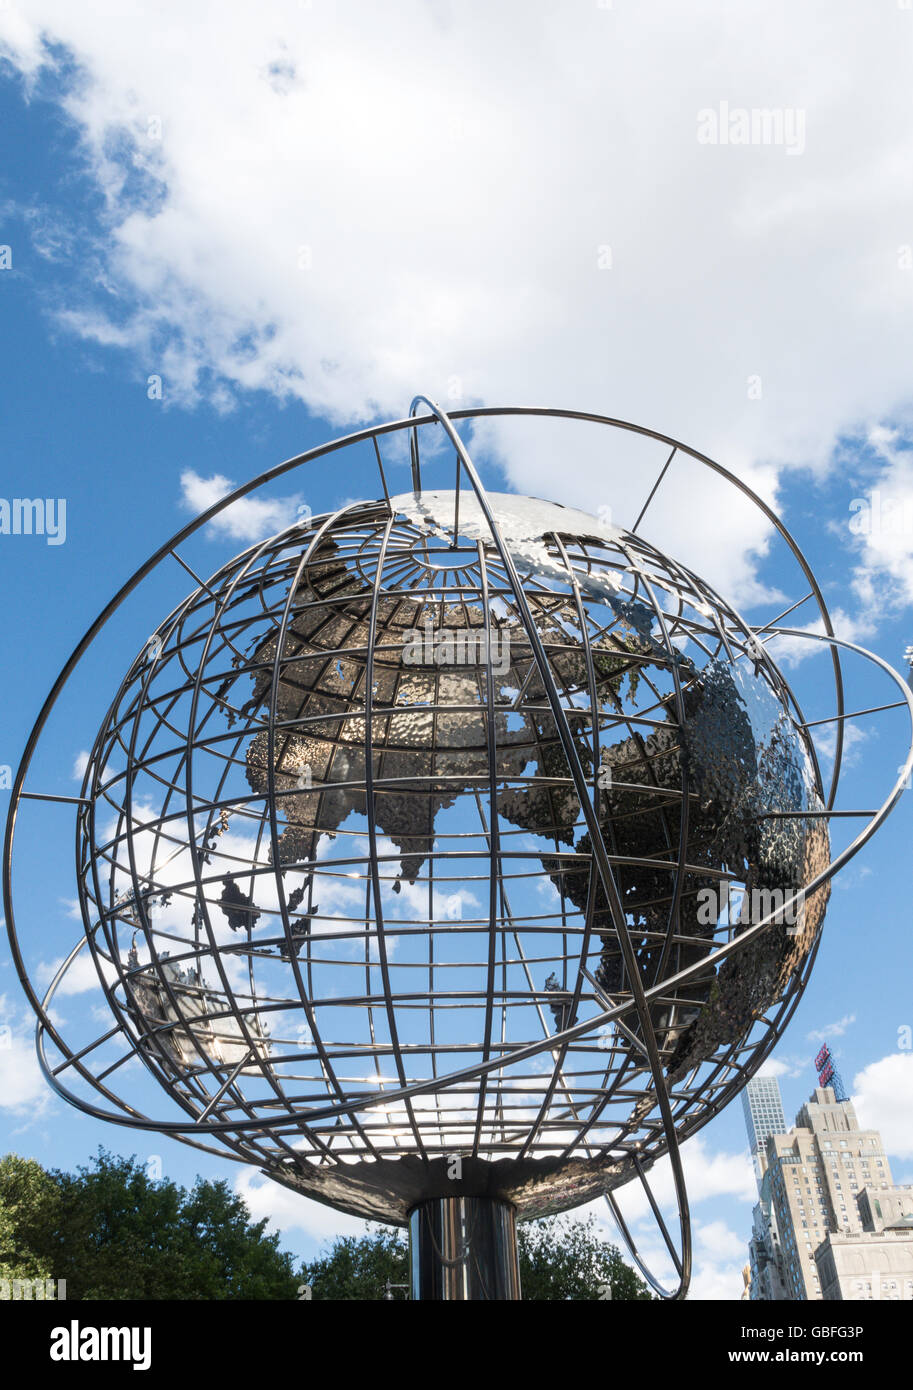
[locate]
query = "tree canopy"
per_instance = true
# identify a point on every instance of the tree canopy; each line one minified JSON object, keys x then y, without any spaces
{"x":113,"y":1232}
{"x":565,"y":1258}
{"x":561,"y":1259}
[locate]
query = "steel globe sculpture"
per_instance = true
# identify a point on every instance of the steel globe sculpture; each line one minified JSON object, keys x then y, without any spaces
{"x":451,"y":857}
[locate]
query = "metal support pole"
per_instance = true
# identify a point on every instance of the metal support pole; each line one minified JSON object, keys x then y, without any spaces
{"x":464,"y":1248}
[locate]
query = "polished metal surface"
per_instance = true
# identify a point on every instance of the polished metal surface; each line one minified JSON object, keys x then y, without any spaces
{"x":463,"y":1248}
{"x":395,"y":842}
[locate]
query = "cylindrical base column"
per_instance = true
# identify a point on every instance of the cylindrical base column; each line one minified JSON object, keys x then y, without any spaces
{"x":464,"y":1248}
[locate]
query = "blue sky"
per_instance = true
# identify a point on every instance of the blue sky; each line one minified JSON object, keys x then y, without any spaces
{"x":291,"y":261}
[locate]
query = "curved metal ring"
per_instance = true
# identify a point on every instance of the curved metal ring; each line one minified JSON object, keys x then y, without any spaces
{"x":639,"y":1003}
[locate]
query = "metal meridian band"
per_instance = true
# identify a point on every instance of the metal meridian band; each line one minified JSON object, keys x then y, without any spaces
{"x":600,"y":855}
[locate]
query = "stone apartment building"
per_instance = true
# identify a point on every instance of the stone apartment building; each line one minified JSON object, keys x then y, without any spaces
{"x":830,"y":1223}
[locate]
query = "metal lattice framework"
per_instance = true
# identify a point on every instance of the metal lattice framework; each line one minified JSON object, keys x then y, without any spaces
{"x":363,"y":903}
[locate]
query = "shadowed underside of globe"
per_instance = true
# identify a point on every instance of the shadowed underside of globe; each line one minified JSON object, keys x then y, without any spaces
{"x":339,"y":869}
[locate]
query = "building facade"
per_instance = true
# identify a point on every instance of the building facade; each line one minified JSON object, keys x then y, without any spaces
{"x":879,"y":1263}
{"x":763,"y":1111}
{"x":764,"y":1261}
{"x":827,"y":1205}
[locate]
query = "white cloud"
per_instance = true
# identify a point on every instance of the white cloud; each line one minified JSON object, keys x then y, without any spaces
{"x":773,"y":1068}
{"x":248,"y":519}
{"x":708,"y":1176}
{"x":853,"y":740}
{"x":718,"y":1280}
{"x":881,"y":521}
{"x":287,"y":1210}
{"x":883,"y":1099}
{"x":781,"y":1066}
{"x":81,"y":976}
{"x":412,"y":898}
{"x":719,"y":1240}
{"x":719,"y":1252}
{"x":832,"y":1030}
{"x":718,"y":1255}
{"x":788,"y":652}
{"x":22,"y":1085}
{"x":330,"y":217}
{"x":359,"y":223}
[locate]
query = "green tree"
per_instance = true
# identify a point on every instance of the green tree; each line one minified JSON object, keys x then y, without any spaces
{"x":111,"y":1231}
{"x":564,"y":1258}
{"x":29,"y":1203}
{"x":560,"y":1259}
{"x":358,"y":1267}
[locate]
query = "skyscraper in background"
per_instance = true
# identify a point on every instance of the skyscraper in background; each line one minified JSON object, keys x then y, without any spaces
{"x":830,"y":1222}
{"x":763,"y":1110}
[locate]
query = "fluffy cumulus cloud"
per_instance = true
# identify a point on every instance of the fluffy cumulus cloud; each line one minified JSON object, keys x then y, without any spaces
{"x":515,"y":203}
{"x":80,"y":978}
{"x":682,"y":216}
{"x":23,"y":1089}
{"x":832,"y":1030}
{"x":712,"y":1177}
{"x":248,"y":519}
{"x":776,"y":1067}
{"x":287,"y":1210}
{"x":719,"y":1251}
{"x":883,"y":1098}
{"x":708,"y":1174}
{"x":720,"y":1254}
{"x":720,"y":1240}
{"x":881,"y":523}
